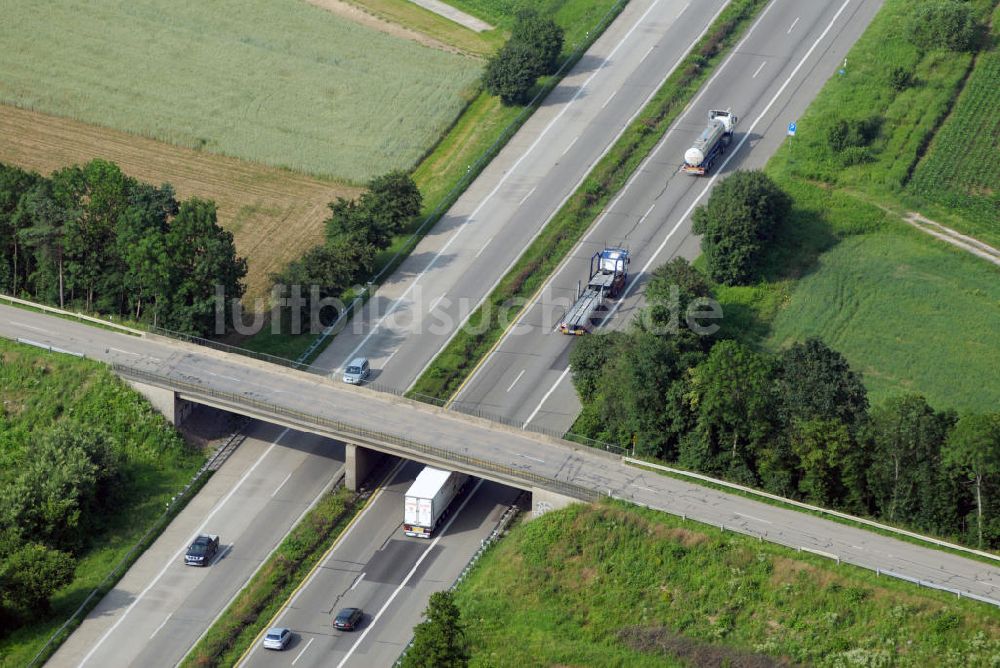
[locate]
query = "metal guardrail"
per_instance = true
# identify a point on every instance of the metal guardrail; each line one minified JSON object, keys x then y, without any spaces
{"x":351,"y":432}
{"x":816,"y":509}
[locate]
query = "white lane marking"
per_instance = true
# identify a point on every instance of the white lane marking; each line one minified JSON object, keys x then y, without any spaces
{"x":480,"y":251}
{"x":680,"y":221}
{"x":516,"y":379}
{"x":359,"y":579}
{"x":278,"y":488}
{"x":435,"y":303}
{"x":409,"y":575}
{"x":759,"y":69}
{"x":303,"y":651}
{"x":570,"y":145}
{"x":386,"y":362}
{"x":746,"y":136}
{"x":222,"y":554}
{"x":21,"y":324}
{"x":160,"y":626}
{"x":647,"y":53}
{"x":607,"y":101}
{"x":525,"y":198}
{"x":573,"y":190}
{"x":125,"y":352}
{"x":751,"y":517}
{"x":793,"y":25}
{"x":220,"y":375}
{"x":857,"y":547}
{"x":182,"y":549}
{"x":648,"y":211}
{"x":534,"y":459}
{"x":391,"y":478}
{"x":597,"y":70}
{"x":545,"y":398}
{"x":648,"y":489}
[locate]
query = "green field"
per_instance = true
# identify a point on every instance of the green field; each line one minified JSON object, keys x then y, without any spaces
{"x":913,"y":314}
{"x":576,"y":17}
{"x":614,"y":585}
{"x":38,"y":390}
{"x":961,"y":172}
{"x":273,"y":81}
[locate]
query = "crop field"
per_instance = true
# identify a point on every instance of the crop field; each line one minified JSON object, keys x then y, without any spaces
{"x":614,"y":585}
{"x":911,"y":315}
{"x":961,"y":171}
{"x":278,"y":82}
{"x":274,"y":214}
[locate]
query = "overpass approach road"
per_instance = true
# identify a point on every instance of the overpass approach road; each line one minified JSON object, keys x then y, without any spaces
{"x":768,"y":81}
{"x":415,"y":312}
{"x":507,"y":455}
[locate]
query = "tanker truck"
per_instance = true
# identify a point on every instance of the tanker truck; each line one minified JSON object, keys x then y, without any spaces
{"x":710,"y":144}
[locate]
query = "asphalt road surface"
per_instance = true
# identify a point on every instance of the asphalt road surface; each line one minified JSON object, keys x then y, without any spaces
{"x":465,"y":437}
{"x":419,"y":307}
{"x":769,"y":80}
{"x":377,"y":568}
{"x":161,"y":607}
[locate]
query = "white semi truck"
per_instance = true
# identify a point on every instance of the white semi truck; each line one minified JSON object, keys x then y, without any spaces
{"x":711,"y":143}
{"x":428,"y":499}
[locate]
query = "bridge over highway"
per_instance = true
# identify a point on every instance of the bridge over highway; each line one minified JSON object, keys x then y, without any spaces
{"x":556,"y":471}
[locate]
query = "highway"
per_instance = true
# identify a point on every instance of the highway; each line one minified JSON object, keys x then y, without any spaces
{"x":477,"y":445}
{"x":417,"y":309}
{"x":161,"y":607}
{"x":768,"y":81}
{"x":388,"y":575}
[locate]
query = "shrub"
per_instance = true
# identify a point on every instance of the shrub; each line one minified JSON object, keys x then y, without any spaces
{"x":542,"y":35}
{"x":511,"y":73}
{"x":900,"y":79}
{"x":948,"y":24}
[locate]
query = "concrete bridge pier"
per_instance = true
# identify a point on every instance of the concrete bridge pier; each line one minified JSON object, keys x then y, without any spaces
{"x":175,"y":409}
{"x":543,"y":501}
{"x":359,"y":462}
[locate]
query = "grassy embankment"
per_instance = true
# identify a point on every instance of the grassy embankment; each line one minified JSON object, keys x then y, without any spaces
{"x":465,"y":349}
{"x":39,"y":389}
{"x":909,"y":312}
{"x":239,"y":625}
{"x":476,"y":137}
{"x":618,"y":585}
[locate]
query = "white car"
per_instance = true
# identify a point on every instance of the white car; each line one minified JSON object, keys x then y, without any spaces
{"x":357,"y":371}
{"x":277,"y":638}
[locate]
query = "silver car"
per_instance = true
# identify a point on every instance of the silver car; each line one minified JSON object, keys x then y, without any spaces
{"x":277,"y":638}
{"x":357,"y":371}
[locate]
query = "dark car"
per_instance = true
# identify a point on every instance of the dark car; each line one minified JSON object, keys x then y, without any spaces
{"x":202,"y":550}
{"x":348,"y":619}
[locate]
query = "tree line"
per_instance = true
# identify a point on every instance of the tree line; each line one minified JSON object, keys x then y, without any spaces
{"x":355,"y":233}
{"x":532,"y":51}
{"x":796,"y":423}
{"x":92,"y":238}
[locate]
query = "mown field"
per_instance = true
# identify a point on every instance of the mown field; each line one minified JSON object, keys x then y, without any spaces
{"x":39,"y":390}
{"x":912,"y":313}
{"x":274,"y":214}
{"x":615,"y":585}
{"x":961,"y":173}
{"x":282,"y":83}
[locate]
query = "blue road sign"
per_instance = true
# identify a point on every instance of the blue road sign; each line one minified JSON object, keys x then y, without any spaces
{"x":791,"y":129}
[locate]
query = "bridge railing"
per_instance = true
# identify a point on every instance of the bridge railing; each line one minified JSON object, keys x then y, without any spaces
{"x":341,"y":429}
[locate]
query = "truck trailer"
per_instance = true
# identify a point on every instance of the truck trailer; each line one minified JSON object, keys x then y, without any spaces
{"x":608,"y":271}
{"x":710,"y":144}
{"x":428,"y":498}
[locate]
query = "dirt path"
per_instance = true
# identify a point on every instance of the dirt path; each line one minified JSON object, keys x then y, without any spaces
{"x":957,"y":239}
{"x":358,"y":15}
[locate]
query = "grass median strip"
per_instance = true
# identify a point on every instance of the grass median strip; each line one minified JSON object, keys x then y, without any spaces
{"x":277,"y":578}
{"x":486,"y":325}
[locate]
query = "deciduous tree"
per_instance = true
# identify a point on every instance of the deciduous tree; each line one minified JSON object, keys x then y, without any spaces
{"x":973,"y":447}
{"x":439,"y":641}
